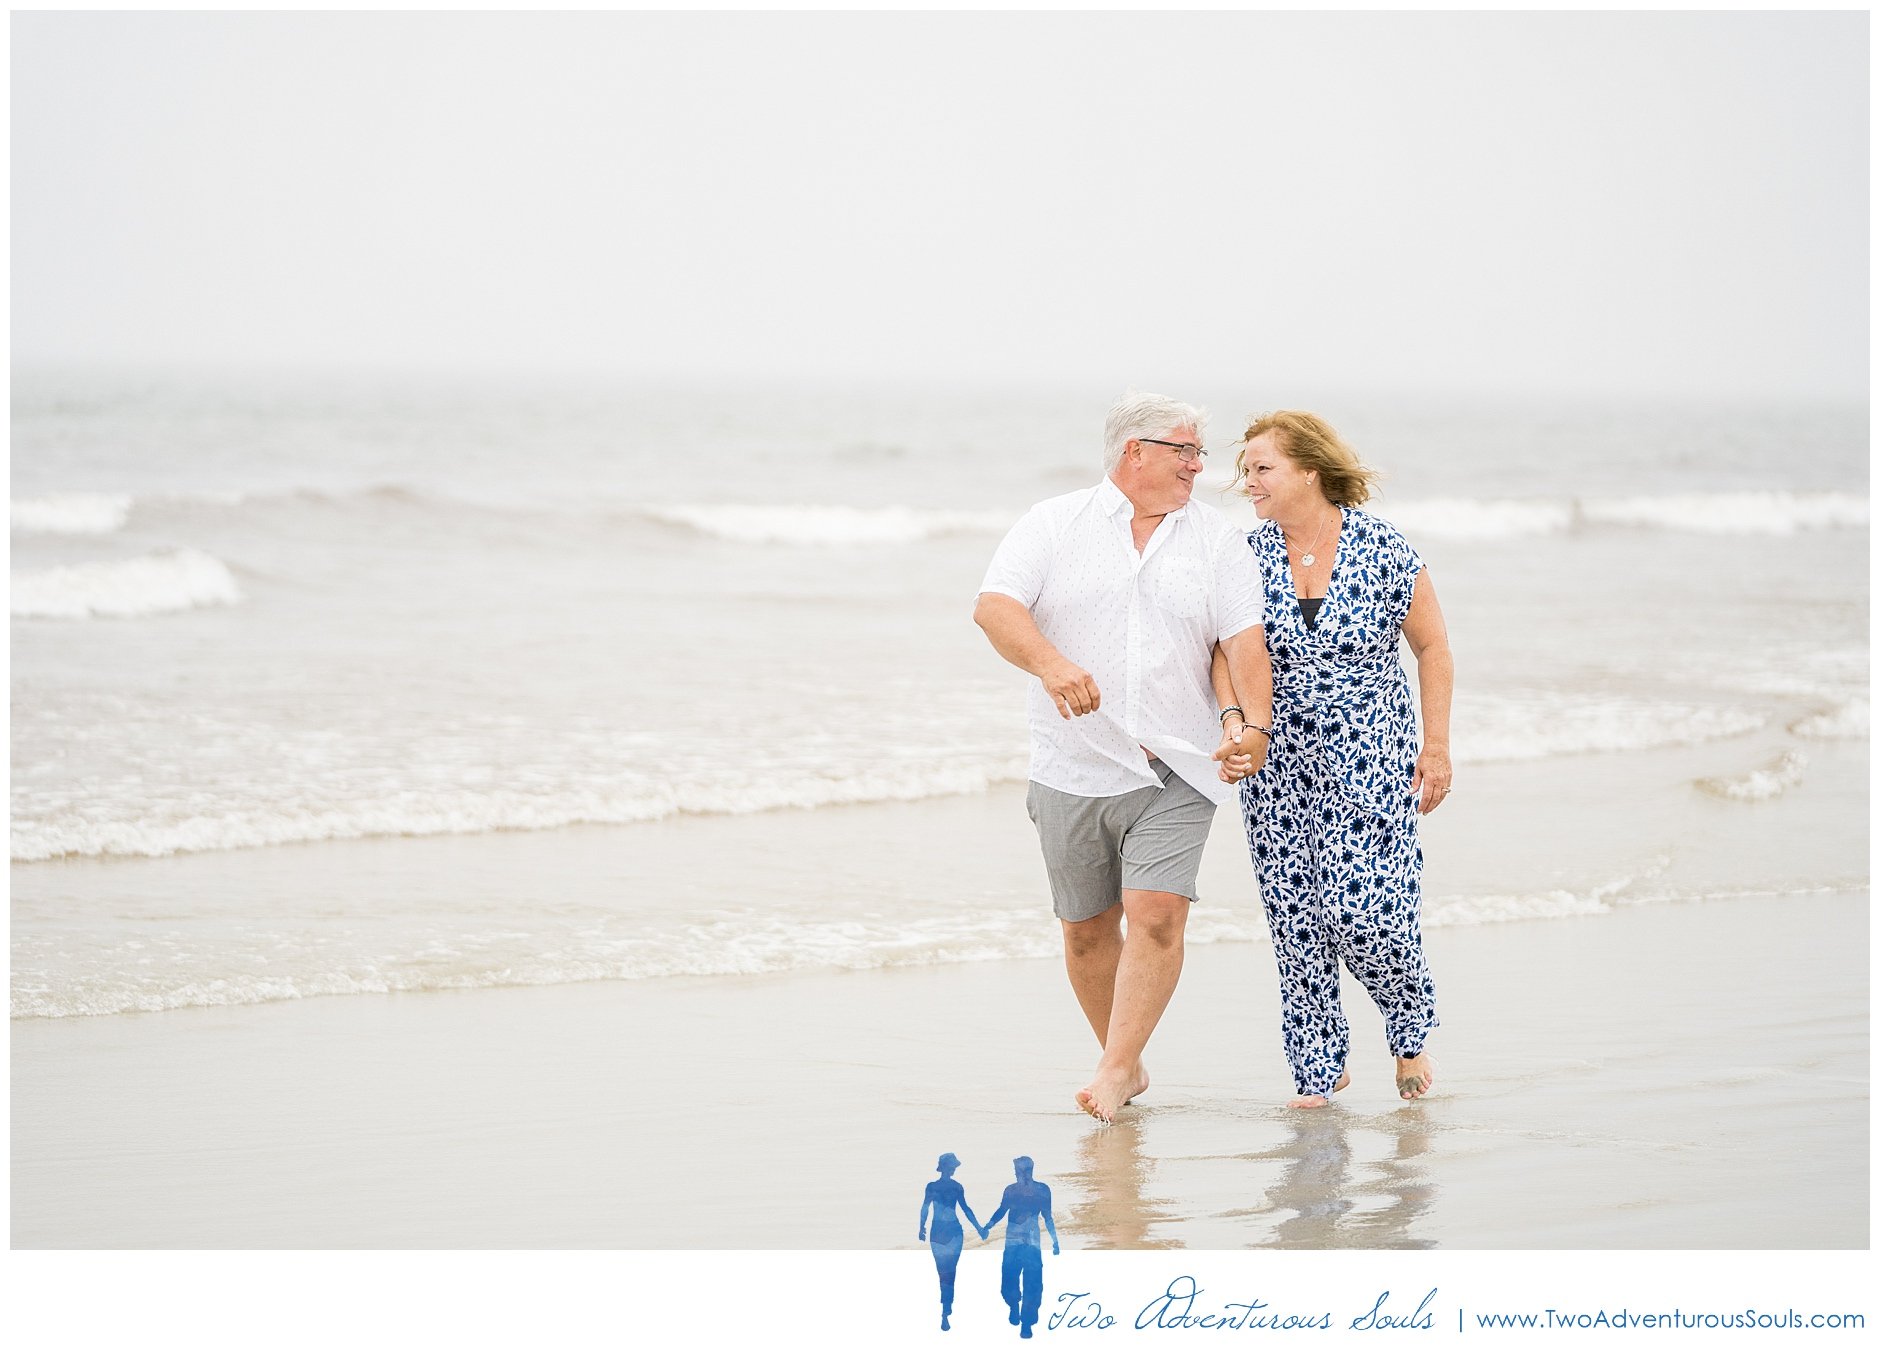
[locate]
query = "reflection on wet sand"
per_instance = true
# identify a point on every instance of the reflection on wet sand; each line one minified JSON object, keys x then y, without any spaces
{"x":1325,"y":1196}
{"x":1318,"y":1163}
{"x":1404,"y":1176}
{"x":1319,"y":1190}
{"x":1109,"y":1201}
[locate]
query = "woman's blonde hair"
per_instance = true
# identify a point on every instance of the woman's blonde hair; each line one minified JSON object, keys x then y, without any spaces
{"x":1316,"y":447}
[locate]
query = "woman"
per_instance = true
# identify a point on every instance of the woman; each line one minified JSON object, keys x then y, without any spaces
{"x":1332,"y":815}
{"x":944,"y":1196}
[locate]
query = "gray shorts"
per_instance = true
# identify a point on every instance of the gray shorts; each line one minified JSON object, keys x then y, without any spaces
{"x":1149,"y":840}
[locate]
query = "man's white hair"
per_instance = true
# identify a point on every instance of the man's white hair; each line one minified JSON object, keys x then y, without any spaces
{"x":1145,"y":415}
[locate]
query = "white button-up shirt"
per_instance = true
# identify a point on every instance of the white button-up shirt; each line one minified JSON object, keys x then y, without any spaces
{"x":1143,"y":624}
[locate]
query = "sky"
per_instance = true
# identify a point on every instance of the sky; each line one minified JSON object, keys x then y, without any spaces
{"x":1662,"y":204}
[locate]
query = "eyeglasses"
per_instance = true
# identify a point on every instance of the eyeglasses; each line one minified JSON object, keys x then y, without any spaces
{"x":1188,"y":453}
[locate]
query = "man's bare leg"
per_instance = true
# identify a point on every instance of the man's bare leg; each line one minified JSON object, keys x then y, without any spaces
{"x":1146,"y":973}
{"x":1091,"y":951}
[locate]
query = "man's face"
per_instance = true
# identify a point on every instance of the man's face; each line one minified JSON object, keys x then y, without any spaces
{"x":1167,"y":466}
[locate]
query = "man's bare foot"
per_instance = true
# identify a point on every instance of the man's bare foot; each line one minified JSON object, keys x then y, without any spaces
{"x":1109,"y":1091}
{"x":1415,"y":1076}
{"x":1319,"y":1102}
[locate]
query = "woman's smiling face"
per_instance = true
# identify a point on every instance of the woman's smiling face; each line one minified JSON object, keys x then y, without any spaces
{"x":1277,"y":486}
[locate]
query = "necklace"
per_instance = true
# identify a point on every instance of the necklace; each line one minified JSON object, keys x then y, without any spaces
{"x":1308,"y":559}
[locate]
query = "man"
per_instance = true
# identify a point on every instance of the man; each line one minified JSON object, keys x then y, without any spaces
{"x":1113,"y":599}
{"x":1021,"y":1269}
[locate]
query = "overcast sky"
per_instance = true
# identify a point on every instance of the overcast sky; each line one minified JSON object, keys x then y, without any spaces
{"x":1648,"y":203}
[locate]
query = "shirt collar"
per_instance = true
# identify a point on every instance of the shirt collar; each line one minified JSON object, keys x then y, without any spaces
{"x":1112,"y":501}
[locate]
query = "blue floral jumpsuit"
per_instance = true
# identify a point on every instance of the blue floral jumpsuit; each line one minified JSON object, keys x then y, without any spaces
{"x":1330,"y":817}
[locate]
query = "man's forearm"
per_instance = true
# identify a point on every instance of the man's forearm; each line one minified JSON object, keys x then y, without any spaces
{"x":1222,"y":679}
{"x":1008,"y":625}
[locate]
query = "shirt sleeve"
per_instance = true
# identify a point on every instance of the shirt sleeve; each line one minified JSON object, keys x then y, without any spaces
{"x":1023,"y":558}
{"x":1402,"y":563}
{"x":1406,"y":559}
{"x":1240,"y":594}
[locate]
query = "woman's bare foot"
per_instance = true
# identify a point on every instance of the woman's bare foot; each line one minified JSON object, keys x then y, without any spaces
{"x":1415,"y":1076}
{"x":1110,"y":1090}
{"x":1318,"y":1102}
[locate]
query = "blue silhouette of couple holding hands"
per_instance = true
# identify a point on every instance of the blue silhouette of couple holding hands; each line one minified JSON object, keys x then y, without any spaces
{"x":1021,"y":1273}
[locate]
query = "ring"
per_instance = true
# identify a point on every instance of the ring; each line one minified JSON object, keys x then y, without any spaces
{"x":1450,"y":787}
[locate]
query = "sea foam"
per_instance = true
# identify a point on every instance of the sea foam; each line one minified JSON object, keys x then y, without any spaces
{"x":243,"y":823}
{"x":71,"y":514}
{"x":1539,"y":725}
{"x":343,"y":794}
{"x":1481,"y":519}
{"x":1851,"y":719}
{"x":178,"y":969}
{"x":162,"y":583}
{"x":828,"y":526}
{"x":1779,"y":513}
{"x":1460,"y":518}
{"x":1761,"y":784}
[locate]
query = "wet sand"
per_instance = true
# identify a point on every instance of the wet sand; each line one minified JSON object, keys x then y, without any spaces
{"x":1673,"y":1075}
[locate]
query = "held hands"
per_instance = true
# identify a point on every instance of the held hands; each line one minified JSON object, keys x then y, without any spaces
{"x":1433,"y":778}
{"x":1070,"y":688}
{"x":1241,"y":754}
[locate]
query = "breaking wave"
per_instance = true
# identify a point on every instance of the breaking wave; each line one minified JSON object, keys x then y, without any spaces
{"x":71,"y":514}
{"x":1761,"y":784}
{"x":162,"y":583}
{"x":243,"y":824}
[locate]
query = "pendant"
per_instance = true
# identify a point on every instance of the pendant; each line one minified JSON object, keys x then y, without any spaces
{"x":1307,"y":560}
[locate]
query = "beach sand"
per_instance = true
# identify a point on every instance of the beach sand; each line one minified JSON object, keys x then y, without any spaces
{"x":1666,"y":1075}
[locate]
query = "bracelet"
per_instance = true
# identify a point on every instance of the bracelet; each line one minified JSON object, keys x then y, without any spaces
{"x":1267,"y":730}
{"x":1232,"y":708}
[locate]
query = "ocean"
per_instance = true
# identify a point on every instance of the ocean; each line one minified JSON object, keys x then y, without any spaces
{"x":332,"y":685}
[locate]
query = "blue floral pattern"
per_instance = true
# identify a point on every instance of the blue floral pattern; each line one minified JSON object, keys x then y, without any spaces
{"x":1330,"y":818}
